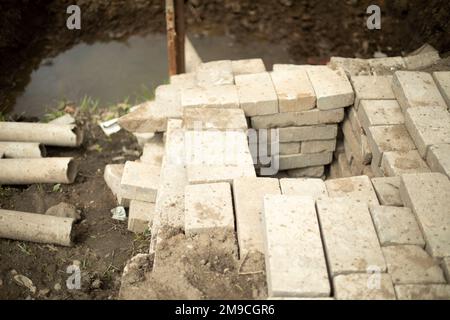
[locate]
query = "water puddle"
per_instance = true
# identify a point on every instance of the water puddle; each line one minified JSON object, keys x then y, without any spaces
{"x":113,"y":71}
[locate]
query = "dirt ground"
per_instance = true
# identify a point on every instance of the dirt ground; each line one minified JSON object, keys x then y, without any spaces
{"x":102,"y":245}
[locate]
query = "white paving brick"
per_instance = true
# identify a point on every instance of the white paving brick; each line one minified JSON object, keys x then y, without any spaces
{"x":168,"y":94}
{"x":311,"y":172}
{"x":318,"y":132}
{"x":422,"y":60}
{"x":303,"y":118}
{"x":428,"y":126}
{"x":360,"y":286}
{"x":208,"y":208}
{"x":112,"y":176}
{"x":224,"y":96}
{"x":292,"y":161}
{"x":294,"y":90}
{"x":423,"y":292}
{"x":416,"y":89}
{"x":409,"y":264}
{"x":350,"y":240}
{"x":356,"y":143}
{"x":442,"y":79}
{"x":438,"y":158}
{"x":310,"y":187}
{"x":372,"y":88}
{"x":388,"y":138}
{"x":220,"y":119}
{"x":333,"y":90}
{"x":428,"y":195}
{"x":357,"y":188}
{"x":184,"y":80}
{"x":396,"y":226}
{"x":257,"y":94}
{"x":153,"y":152}
{"x":295,"y":261}
{"x":140,"y":181}
{"x":388,"y":191}
{"x":396,"y":163}
{"x":247,"y":66}
{"x":140,"y":216}
{"x":317,"y":146}
{"x":386,"y":66}
{"x":380,"y":112}
{"x":352,"y":66}
{"x":215,"y":73}
{"x":249,"y":199}
{"x":289,"y":148}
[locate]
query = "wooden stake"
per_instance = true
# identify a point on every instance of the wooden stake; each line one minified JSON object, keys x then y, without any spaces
{"x":175,"y":36}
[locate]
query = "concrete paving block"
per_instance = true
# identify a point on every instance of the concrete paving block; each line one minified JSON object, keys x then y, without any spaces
{"x":289,"y":148}
{"x":153,"y":153}
{"x":150,"y":116}
{"x":184,"y":80}
{"x":247,"y":66}
{"x":215,"y":73}
{"x":409,"y":264}
{"x":359,"y":147}
{"x":379,"y":113}
{"x":416,"y":89}
{"x":317,"y":132}
{"x":396,"y":226}
{"x":422,"y":60}
{"x":309,"y":172}
{"x":356,"y":124}
{"x":290,"y":67}
{"x":294,"y":90}
{"x":343,"y":165}
{"x":359,"y":286}
{"x":317,"y":146}
{"x":219,"y":119}
{"x":388,"y":138}
{"x":377,"y":170}
{"x":388,"y":191}
{"x":333,"y":90}
{"x":140,"y":216}
{"x":386,"y":66}
{"x":303,"y":118}
{"x":309,"y":187}
{"x":423,"y":292}
{"x":293,"y":161}
{"x":224,"y":96}
{"x":446,"y":267}
{"x":396,"y":163}
{"x":350,"y":240}
{"x":295,"y":261}
{"x":208,"y":208}
{"x":257,"y":94}
{"x":438,"y":158}
{"x":140,"y":181}
{"x":351,"y":66}
{"x":372,"y":88}
{"x":442,"y":79}
{"x":168,"y":94}
{"x":428,"y":126}
{"x":203,"y":173}
{"x":419,"y":192}
{"x":113,"y":175}
{"x":248,"y":194}
{"x":357,"y":188}
{"x":169,"y":206}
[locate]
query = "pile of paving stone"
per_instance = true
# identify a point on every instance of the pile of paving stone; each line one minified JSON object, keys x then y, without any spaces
{"x":398,"y":124}
{"x":384,"y":237}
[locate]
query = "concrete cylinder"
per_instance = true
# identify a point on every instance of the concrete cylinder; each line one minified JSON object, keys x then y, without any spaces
{"x":43,"y":170}
{"x":48,"y":134}
{"x":35,"y":227}
{"x":22,"y":150}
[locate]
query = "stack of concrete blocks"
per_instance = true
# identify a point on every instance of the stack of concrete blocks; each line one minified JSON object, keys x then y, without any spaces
{"x":427,"y":118}
{"x":421,"y":58}
{"x":303,"y":104}
{"x":135,"y":184}
{"x":394,"y":122}
{"x":354,"y":233}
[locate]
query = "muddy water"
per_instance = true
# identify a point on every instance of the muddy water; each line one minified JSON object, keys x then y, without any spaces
{"x":113,"y":71}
